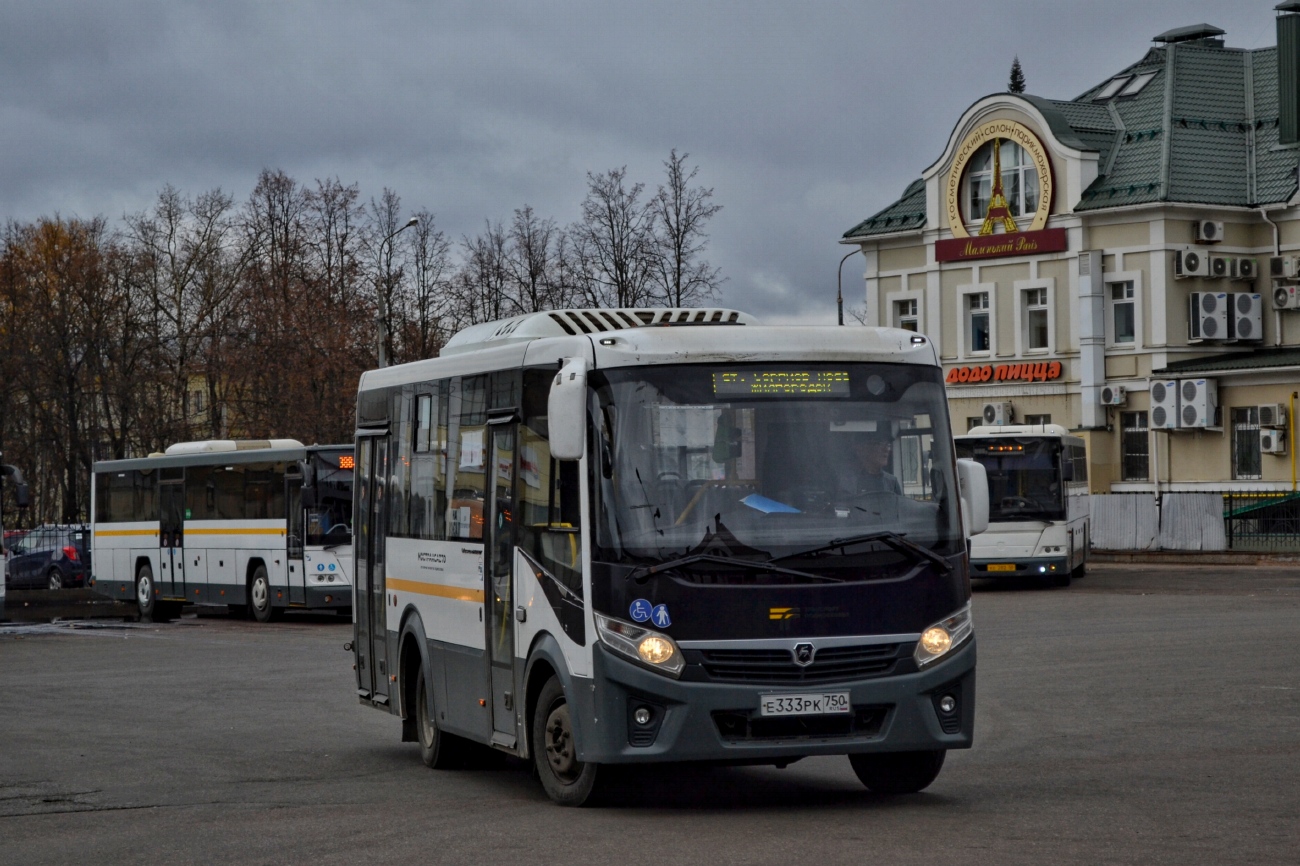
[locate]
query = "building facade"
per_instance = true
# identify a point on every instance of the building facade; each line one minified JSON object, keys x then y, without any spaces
{"x":1125,"y":263}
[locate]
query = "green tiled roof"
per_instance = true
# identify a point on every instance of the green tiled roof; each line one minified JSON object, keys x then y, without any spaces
{"x":1255,"y":359}
{"x":1208,"y":137}
{"x":908,"y":213}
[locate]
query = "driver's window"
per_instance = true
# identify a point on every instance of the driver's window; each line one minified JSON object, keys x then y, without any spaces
{"x":550,"y":525}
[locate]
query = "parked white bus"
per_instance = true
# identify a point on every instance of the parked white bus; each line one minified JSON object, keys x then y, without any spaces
{"x":592,"y":537}
{"x":1038,"y":502}
{"x":257,"y":525}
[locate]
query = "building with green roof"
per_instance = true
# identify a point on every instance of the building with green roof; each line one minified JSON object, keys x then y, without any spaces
{"x":1125,"y":263}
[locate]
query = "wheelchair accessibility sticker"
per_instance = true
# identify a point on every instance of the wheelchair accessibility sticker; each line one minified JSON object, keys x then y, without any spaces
{"x":640,"y":610}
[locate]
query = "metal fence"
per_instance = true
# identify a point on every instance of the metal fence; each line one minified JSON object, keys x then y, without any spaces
{"x":1204,"y":520}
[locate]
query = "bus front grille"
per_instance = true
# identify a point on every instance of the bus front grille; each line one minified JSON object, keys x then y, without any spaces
{"x":734,"y":725}
{"x":830,"y":664}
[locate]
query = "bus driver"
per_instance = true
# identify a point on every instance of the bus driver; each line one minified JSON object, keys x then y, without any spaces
{"x":868,"y":475}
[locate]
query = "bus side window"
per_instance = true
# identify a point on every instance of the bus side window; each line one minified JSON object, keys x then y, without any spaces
{"x":548,"y":490}
{"x":467,"y":458}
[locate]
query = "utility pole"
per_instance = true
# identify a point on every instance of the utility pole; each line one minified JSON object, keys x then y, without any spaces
{"x":382,"y":318}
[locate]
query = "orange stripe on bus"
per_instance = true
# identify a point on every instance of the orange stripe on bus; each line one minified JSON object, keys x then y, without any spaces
{"x":189,"y":530}
{"x":440,"y":590}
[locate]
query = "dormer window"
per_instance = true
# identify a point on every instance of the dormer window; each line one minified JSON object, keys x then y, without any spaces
{"x":1019,"y":181}
{"x":1135,"y":86}
{"x":1112,"y":88}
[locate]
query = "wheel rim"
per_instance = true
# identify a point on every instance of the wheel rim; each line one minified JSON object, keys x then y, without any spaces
{"x":422,"y":718}
{"x":56,"y":580}
{"x":260,"y":593}
{"x":560,"y":753}
{"x":144,"y":590}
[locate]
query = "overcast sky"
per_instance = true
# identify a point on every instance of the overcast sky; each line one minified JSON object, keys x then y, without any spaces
{"x":805,"y":117}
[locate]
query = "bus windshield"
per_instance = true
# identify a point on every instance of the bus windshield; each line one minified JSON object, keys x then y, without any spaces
{"x":762,"y":461}
{"x":329,"y":519}
{"x":1024,"y":476}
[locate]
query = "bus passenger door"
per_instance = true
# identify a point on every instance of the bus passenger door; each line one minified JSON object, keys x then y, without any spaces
{"x":171,"y":553}
{"x":370,"y":609}
{"x":499,"y":588}
{"x":294,"y":539}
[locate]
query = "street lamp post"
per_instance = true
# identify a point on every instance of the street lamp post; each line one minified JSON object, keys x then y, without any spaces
{"x":381,"y":322}
{"x":839,"y":285}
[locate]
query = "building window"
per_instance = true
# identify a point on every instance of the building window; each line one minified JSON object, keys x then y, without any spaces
{"x":196,"y":402}
{"x":1245,"y":443}
{"x":1019,"y":181}
{"x":977,"y":318}
{"x":1123,"y":313}
{"x":972,"y":423}
{"x":1035,"y":420}
{"x":1135,"y":445}
{"x":905,"y":315}
{"x":1035,"y":319}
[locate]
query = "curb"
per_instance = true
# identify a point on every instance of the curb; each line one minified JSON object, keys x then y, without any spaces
{"x":1191,"y":557}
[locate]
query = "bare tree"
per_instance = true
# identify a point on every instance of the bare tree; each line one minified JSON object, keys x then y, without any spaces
{"x":614,"y":242}
{"x":480,"y":289}
{"x":681,"y":213}
{"x":423,"y":331}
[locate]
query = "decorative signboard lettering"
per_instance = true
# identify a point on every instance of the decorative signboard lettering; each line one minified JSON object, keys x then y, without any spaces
{"x":1034,"y":371}
{"x":990,"y":246}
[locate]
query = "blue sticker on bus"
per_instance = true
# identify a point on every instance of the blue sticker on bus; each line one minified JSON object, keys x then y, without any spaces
{"x":640,"y":610}
{"x":320,"y":567}
{"x":660,"y":616}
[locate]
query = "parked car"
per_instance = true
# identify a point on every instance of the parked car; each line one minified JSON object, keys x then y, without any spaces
{"x":49,"y":557}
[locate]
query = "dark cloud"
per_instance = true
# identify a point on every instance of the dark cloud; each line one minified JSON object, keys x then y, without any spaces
{"x":804,"y":117}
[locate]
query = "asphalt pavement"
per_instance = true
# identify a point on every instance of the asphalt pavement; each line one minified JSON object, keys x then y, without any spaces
{"x":1146,"y":714}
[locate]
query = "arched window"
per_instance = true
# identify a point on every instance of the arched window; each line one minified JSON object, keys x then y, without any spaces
{"x":1019,"y":181}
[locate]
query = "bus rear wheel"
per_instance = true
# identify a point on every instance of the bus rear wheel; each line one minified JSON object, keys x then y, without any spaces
{"x":567,"y":781}
{"x":898,"y":772}
{"x":259,"y":596}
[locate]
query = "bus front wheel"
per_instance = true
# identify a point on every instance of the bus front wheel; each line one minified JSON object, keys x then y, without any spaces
{"x":259,"y":596}
{"x":898,"y":772}
{"x":567,"y":781}
{"x":438,"y":750}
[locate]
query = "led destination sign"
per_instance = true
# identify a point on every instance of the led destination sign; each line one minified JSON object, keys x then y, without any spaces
{"x":803,"y":383}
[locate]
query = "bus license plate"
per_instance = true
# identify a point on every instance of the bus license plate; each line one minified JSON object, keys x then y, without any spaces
{"x":826,"y":703}
{"x":1001,"y":566}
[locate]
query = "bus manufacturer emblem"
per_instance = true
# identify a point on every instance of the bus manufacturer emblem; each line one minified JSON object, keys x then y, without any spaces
{"x":803,"y":654}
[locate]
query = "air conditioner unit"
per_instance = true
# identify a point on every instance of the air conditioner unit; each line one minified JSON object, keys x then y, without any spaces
{"x":1245,"y":270}
{"x":999,"y":413}
{"x":1245,"y":316}
{"x":1286,"y":297}
{"x":1272,"y":441}
{"x":1191,"y":263}
{"x":1220,"y":267}
{"x":1113,"y":395}
{"x":1283,"y":267}
{"x":1164,"y":404}
{"x":1208,"y":231}
{"x":1272,"y":415}
{"x":1207,"y":316}
{"x":1198,"y":403}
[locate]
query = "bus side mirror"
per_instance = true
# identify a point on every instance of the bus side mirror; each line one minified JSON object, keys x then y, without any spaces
{"x":20,"y":495}
{"x":974,"y":484}
{"x":566,"y":411}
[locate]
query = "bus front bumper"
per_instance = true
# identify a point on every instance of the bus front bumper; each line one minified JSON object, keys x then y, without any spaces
{"x":710,"y":721}
{"x":1022,"y":566}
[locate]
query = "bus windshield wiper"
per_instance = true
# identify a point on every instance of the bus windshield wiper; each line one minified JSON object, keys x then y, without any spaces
{"x":643,"y":573}
{"x":896,"y":540}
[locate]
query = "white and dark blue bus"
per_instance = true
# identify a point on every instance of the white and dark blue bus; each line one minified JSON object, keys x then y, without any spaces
{"x":257,"y":526}
{"x":597,"y":537}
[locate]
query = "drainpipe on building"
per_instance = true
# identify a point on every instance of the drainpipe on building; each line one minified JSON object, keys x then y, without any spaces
{"x":1277,"y":314}
{"x":1290,"y":419}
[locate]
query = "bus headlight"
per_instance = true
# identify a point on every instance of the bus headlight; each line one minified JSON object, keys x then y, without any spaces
{"x":651,"y":648}
{"x":944,"y":636}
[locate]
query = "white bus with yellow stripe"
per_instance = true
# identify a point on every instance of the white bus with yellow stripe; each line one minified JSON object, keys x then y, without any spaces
{"x":262,"y":526}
